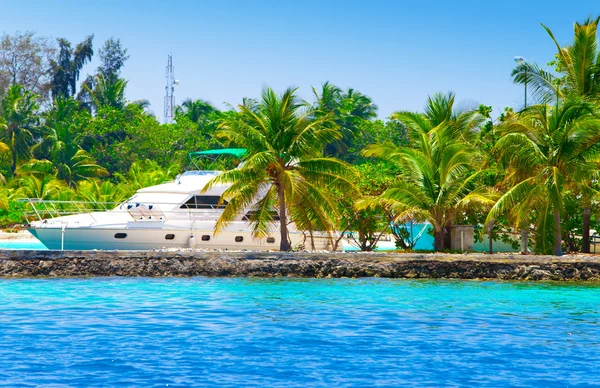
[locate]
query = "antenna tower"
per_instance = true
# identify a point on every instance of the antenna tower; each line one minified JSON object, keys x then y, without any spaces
{"x":170,"y":91}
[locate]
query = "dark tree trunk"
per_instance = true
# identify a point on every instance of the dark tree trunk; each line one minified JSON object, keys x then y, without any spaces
{"x":14,"y":153}
{"x":490,"y":230}
{"x":284,"y":244}
{"x":438,"y":240}
{"x":585,"y":242}
{"x":447,"y":239}
{"x":524,"y":241}
{"x":557,"y":250}
{"x":363,"y":241}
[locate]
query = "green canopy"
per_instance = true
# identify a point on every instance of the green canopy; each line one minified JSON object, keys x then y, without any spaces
{"x":237,"y":152}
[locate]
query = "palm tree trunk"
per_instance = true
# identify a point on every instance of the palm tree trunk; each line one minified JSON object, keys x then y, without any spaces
{"x":490,"y":228}
{"x":585,"y":242}
{"x":14,"y":153}
{"x":557,"y":251}
{"x":438,"y":240}
{"x":284,"y":244}
{"x":524,"y":241}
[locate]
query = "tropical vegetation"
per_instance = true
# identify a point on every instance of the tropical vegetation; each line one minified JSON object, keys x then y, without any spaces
{"x":328,"y":165}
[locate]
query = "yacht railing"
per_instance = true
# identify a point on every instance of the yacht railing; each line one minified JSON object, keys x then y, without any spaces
{"x":41,"y":209}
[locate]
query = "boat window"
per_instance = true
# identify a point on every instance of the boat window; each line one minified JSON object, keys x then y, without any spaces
{"x":271,"y":240}
{"x":247,"y":216}
{"x":204,"y":202}
{"x":169,"y":236}
{"x":206,"y":237}
{"x":239,"y":238}
{"x":120,"y":235}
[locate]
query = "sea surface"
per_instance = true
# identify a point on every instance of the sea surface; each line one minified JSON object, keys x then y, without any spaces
{"x":18,"y":244}
{"x":117,"y":332}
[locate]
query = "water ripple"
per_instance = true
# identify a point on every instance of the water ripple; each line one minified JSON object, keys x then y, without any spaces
{"x":297,"y":332}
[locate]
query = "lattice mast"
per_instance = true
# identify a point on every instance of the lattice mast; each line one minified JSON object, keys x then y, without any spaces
{"x":170,"y":91}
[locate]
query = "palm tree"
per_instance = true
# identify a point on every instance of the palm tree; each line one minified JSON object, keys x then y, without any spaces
{"x":19,"y":108}
{"x":107,"y":92}
{"x":547,"y":149}
{"x":194,"y":110}
{"x":579,"y":67}
{"x":329,"y":98}
{"x":358,"y":105}
{"x":349,"y":109}
{"x":4,"y":198}
{"x":4,"y":148}
{"x":148,"y":173}
{"x":102,"y":191}
{"x":441,"y":174}
{"x":67,"y":160}
{"x":283,"y":173}
{"x":40,"y":186}
{"x":65,"y":70}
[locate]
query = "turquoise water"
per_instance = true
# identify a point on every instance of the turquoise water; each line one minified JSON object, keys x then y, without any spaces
{"x":20,"y":245}
{"x":297,"y":332}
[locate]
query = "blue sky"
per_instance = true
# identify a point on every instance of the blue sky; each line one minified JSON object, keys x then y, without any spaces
{"x":397,"y":52}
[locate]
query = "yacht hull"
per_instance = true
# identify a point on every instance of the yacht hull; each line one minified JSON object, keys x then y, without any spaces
{"x":88,"y":238}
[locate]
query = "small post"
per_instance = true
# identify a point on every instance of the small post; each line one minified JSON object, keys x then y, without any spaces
{"x":62,"y":236}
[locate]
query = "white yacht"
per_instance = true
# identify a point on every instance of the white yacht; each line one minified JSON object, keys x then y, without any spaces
{"x":176,"y":214}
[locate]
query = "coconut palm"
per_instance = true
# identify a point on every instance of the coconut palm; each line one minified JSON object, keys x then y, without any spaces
{"x":40,"y":186}
{"x":194,"y":110}
{"x":349,"y":109}
{"x":19,"y":108}
{"x":547,"y":149}
{"x":107,"y":92}
{"x":4,"y":198}
{"x":440,"y":174}
{"x":579,"y":69}
{"x":101,"y":191}
{"x":66,"y":68}
{"x":148,"y":173}
{"x":283,"y":173}
{"x":4,"y":148}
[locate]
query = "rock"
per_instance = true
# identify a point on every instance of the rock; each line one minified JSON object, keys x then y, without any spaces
{"x":188,"y":262}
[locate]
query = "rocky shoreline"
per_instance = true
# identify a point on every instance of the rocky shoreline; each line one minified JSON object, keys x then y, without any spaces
{"x":305,"y":264}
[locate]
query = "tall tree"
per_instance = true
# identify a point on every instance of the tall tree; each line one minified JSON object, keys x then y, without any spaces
{"x":579,"y":68}
{"x":283,"y":171}
{"x":25,"y":59}
{"x":40,"y":186}
{"x":112,"y":58}
{"x":67,"y":160}
{"x":194,"y":110}
{"x":440,"y":173}
{"x":349,"y":110}
{"x":548,"y":148}
{"x":66,"y":68}
{"x":19,"y":108}
{"x":107,"y":92}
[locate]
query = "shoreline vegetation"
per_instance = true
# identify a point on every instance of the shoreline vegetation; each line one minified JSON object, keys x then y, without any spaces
{"x":186,"y":263}
{"x":326,"y":165}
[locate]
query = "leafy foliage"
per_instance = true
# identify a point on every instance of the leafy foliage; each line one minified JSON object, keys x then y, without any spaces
{"x":65,"y":70}
{"x":284,"y":172}
{"x":441,"y":174}
{"x":547,"y":150}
